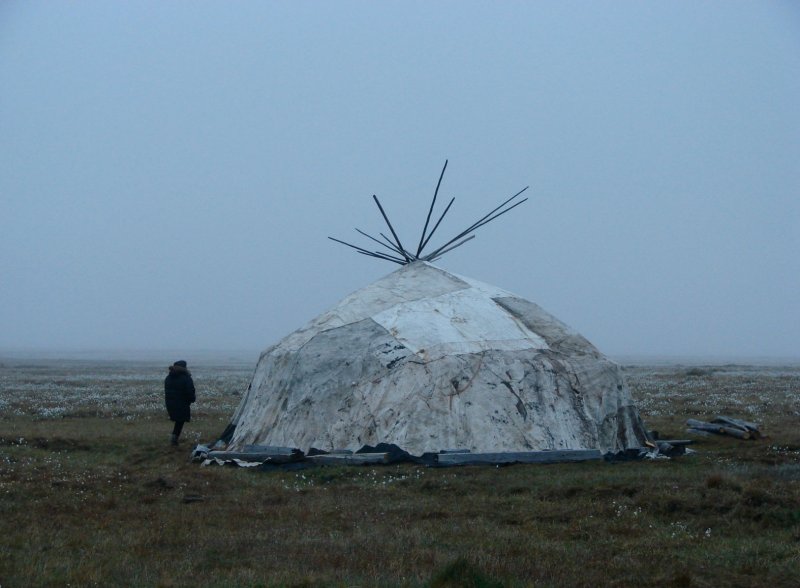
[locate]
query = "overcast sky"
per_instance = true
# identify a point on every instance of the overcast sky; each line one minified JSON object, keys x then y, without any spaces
{"x":169,"y":171}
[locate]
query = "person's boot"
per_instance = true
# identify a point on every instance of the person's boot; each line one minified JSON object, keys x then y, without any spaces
{"x":173,"y":439}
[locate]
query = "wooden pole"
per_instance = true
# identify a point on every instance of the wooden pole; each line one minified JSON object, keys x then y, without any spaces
{"x":459,"y":244}
{"x":479,"y":223}
{"x":364,"y":251}
{"x":744,"y":425}
{"x":350,"y":459}
{"x":501,"y":213}
{"x":436,"y":226}
{"x":391,"y":228}
{"x":396,"y":246}
{"x":498,"y":208}
{"x":553,"y":456}
{"x":719,"y":428}
{"x":389,"y":241}
{"x":386,"y":257}
{"x":430,"y":210}
{"x":381,"y":243}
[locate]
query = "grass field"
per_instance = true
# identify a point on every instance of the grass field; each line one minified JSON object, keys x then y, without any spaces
{"x":91,"y":494}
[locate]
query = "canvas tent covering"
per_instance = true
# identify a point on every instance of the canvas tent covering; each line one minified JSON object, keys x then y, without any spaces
{"x":428,"y":360}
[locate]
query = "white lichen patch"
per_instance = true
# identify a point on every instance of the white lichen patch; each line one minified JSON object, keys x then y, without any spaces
{"x":92,"y":389}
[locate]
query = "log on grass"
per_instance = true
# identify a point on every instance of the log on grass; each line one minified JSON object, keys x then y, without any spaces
{"x":738,"y":423}
{"x":256,"y":456}
{"x":553,"y":456}
{"x":703,"y":426}
{"x":736,"y":432}
{"x":719,"y":429}
{"x":271,"y":449}
{"x":349,"y":459}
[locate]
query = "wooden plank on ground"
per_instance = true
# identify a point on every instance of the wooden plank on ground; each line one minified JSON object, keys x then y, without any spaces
{"x":744,"y":425}
{"x":554,"y":456}
{"x":736,"y":432}
{"x":721,"y":429}
{"x":271,"y":449}
{"x":699,"y":432}
{"x":703,"y":426}
{"x":349,"y":459}
{"x":255,"y":456}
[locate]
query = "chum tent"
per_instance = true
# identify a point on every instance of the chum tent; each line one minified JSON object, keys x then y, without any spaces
{"x":429,"y":361}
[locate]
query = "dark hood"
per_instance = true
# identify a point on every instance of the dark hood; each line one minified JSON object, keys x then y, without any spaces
{"x":178,"y":370}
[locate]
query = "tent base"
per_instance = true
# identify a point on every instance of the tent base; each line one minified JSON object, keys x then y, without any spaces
{"x":385,"y":454}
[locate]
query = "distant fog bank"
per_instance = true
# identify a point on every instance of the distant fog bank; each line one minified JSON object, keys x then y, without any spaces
{"x":167,"y":356}
{"x":250,"y":356}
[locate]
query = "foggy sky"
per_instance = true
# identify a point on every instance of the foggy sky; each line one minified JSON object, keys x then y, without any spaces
{"x":169,"y":172}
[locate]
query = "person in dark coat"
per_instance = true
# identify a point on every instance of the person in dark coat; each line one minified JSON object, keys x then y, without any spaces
{"x":179,"y":396}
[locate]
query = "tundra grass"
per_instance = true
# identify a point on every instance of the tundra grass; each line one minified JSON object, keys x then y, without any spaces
{"x":92,"y":494}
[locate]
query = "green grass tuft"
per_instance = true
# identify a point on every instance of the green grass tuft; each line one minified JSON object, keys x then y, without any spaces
{"x":461,"y":573}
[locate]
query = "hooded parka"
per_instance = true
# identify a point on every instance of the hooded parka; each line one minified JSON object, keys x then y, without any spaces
{"x":179,"y":392}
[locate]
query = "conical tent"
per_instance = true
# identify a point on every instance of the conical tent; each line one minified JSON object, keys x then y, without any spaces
{"x":429,"y":361}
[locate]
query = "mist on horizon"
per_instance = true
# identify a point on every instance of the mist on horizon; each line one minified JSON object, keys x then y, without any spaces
{"x":171,"y":175}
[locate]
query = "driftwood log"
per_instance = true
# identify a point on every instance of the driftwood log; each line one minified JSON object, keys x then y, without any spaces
{"x":260,"y":453}
{"x":676,"y":442}
{"x":349,"y":458}
{"x":702,"y":426}
{"x":722,"y":425}
{"x":751,"y":428}
{"x":554,"y":456}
